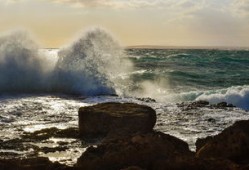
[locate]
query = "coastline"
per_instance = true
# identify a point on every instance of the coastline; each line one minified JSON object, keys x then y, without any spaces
{"x":186,"y":159}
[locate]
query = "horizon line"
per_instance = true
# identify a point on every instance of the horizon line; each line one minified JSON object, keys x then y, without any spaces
{"x":176,"y":47}
{"x":185,"y":47}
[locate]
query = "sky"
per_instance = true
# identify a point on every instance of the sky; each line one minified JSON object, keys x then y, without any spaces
{"x":133,"y":22}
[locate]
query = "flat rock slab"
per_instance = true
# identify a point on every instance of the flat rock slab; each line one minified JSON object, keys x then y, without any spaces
{"x":115,"y":118}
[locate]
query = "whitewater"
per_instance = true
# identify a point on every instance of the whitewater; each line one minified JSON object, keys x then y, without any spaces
{"x":43,"y":88}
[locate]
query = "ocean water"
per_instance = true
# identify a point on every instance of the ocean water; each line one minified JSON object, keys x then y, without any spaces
{"x":43,"y":88}
{"x":195,"y":74}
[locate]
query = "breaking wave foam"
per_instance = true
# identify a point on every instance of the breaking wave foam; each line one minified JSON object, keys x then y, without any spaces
{"x":21,"y":66}
{"x":236,"y":95}
{"x":91,"y":65}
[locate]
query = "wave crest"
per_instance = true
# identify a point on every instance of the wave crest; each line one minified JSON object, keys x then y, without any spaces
{"x":236,"y":95}
{"x":91,"y":65}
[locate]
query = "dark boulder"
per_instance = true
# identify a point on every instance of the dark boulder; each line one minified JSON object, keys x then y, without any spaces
{"x":232,"y":144}
{"x":192,"y":163}
{"x":142,"y":151}
{"x":115,"y":118}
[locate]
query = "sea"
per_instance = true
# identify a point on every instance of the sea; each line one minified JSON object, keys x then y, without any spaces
{"x":44,"y":88}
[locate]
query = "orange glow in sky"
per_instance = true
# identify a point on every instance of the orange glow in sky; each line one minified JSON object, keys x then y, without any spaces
{"x":132,"y":22}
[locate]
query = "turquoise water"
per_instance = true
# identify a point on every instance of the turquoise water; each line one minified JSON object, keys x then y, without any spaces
{"x":194,"y":69}
{"x":95,"y":65}
{"x":214,"y":75}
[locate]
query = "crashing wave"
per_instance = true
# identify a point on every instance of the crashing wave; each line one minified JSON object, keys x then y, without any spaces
{"x":91,"y":65}
{"x":236,"y":95}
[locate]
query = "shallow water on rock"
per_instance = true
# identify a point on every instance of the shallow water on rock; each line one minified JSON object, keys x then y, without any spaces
{"x":26,"y":114}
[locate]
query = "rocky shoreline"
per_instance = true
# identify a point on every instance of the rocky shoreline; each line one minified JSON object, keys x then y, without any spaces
{"x":126,"y":140}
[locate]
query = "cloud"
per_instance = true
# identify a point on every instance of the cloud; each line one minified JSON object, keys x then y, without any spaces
{"x":240,"y":8}
{"x":6,"y":2}
{"x":119,"y":4}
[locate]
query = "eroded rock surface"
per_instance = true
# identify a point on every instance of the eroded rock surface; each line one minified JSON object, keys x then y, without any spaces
{"x":232,"y":144}
{"x":142,"y":150}
{"x":115,"y":118}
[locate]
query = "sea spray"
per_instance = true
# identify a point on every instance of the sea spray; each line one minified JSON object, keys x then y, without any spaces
{"x":157,"y":89}
{"x":21,"y":68}
{"x":236,"y":95}
{"x":94,"y":64}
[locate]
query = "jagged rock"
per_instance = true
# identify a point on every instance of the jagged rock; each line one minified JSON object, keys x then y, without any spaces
{"x":232,"y":144}
{"x":197,"y":104}
{"x":137,"y":150}
{"x":200,"y":103}
{"x":222,"y":105}
{"x":147,"y":99}
{"x":115,"y":118}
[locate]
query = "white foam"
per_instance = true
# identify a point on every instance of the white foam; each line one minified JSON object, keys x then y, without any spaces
{"x":21,"y":67}
{"x":91,"y":65}
{"x":236,"y":95}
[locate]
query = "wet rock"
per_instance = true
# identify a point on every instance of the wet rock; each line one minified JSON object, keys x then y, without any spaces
{"x":12,"y":144}
{"x":193,"y":105}
{"x":54,"y":149}
{"x":38,"y":163}
{"x":232,"y":144}
{"x":68,"y":133}
{"x":197,"y":104}
{"x":28,"y":145}
{"x":192,"y":163}
{"x":223,"y":104}
{"x":200,"y":142}
{"x":142,"y":151}
{"x":200,"y":103}
{"x":42,"y":134}
{"x":115,"y":118}
{"x":147,"y":99}
{"x":47,"y":133}
{"x":211,"y":120}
